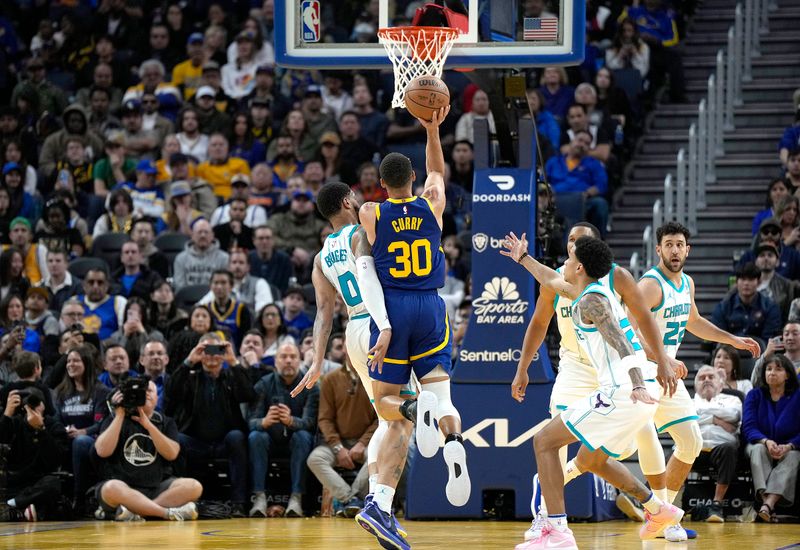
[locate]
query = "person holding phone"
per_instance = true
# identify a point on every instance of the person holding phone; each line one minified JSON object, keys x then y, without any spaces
{"x":787,"y":344}
{"x":204,"y":399}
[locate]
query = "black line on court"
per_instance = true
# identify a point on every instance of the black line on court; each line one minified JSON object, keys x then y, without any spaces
{"x":31,"y":529}
{"x":795,"y":545}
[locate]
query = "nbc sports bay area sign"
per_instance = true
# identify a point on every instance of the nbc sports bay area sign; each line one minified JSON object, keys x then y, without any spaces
{"x":499,"y":303}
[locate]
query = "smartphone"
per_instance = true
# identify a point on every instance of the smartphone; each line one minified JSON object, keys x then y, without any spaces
{"x":277,"y":400}
{"x":214,"y":349}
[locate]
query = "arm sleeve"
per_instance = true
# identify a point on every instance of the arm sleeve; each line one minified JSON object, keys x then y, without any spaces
{"x":371,"y":291}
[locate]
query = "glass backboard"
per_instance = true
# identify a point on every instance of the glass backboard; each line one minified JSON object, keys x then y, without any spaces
{"x":495,"y":33}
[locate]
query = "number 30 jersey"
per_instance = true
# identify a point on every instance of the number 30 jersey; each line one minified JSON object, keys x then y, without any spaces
{"x":672,"y":313}
{"x":339,"y":267}
{"x":407,"y":248}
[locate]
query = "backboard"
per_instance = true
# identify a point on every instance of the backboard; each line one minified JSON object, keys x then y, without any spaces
{"x":342,"y":34}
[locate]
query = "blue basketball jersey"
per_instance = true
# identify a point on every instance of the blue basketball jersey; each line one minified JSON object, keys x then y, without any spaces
{"x":407,"y":247}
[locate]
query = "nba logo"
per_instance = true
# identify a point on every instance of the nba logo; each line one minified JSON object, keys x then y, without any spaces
{"x":310,"y":16}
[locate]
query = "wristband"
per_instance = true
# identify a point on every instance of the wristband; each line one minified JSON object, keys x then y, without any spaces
{"x":524,"y":255}
{"x":336,"y":448}
{"x":639,"y":388}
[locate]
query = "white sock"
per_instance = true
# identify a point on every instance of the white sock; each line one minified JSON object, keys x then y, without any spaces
{"x":383,"y":497}
{"x":661,"y":494}
{"x":671,"y":496}
{"x":373,"y":482}
{"x":571,"y":471}
{"x":12,"y":503}
{"x":652,"y":504}
{"x":558,"y":521}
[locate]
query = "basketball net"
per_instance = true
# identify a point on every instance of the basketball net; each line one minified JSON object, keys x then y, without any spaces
{"x":414,"y":52}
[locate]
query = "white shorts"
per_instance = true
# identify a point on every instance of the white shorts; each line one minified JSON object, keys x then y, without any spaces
{"x":674,"y":410}
{"x":357,"y":339}
{"x":607,"y":419}
{"x":574,"y":381}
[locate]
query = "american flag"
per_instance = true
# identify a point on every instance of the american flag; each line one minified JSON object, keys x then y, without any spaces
{"x":540,"y":28}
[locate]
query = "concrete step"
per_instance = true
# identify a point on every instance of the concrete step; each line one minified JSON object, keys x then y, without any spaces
{"x":711,"y":220}
{"x":787,"y":21}
{"x":709,"y":247}
{"x":716,"y":195}
{"x":728,"y":167}
{"x":769,"y":46}
{"x":762,"y":68}
{"x":747,"y":142}
{"x":657,"y":184}
{"x":719,"y":37}
{"x":744,"y":117}
{"x":681,"y":109}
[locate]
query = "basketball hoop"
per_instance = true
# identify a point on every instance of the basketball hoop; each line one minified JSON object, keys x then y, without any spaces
{"x":414,"y":52}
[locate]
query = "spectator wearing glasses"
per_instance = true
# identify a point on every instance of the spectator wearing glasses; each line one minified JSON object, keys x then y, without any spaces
{"x":789,"y":258}
{"x":268,"y":263}
{"x":103,"y":313}
{"x":152,"y":121}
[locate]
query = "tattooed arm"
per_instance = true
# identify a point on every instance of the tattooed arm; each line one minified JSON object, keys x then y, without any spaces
{"x":595,"y":309}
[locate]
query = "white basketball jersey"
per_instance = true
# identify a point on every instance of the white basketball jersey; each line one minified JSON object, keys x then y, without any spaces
{"x":673,"y":313}
{"x":569,"y":344}
{"x":339,"y":267}
{"x":603,"y":356}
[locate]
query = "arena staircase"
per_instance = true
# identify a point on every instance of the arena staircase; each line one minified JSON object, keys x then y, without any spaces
{"x":750,"y":160}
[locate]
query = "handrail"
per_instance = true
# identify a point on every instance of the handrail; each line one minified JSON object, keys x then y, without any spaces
{"x":647,"y":245}
{"x":634,"y":266}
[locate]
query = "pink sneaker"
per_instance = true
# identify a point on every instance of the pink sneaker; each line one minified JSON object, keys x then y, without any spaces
{"x":551,"y":539}
{"x":655,"y":524}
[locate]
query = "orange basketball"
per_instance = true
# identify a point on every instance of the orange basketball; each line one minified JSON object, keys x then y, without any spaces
{"x":426,"y":94}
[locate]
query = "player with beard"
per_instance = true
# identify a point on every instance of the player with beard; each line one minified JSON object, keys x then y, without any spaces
{"x":669,"y":293}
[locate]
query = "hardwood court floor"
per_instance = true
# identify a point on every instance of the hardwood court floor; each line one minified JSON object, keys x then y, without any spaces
{"x":341,"y":534}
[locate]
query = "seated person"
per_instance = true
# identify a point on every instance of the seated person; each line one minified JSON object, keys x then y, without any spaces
{"x":36,"y":442}
{"x":57,"y":235}
{"x":720,"y":416}
{"x":148,"y":198}
{"x":770,"y":231}
{"x":153,"y":359}
{"x":228,"y":312}
{"x":37,"y":317}
{"x":575,"y":172}
{"x":251,"y":355}
{"x":347,"y":421}
{"x":771,"y":426}
{"x":133,"y":276}
{"x":28,"y":368}
{"x":115,"y":367}
{"x":746,"y":312}
{"x":205,"y":401}
{"x":129,"y":491}
{"x":294,"y":315}
{"x":103,"y":313}
{"x":59,"y":282}
{"x":143,"y":232}
{"x":276,"y":421}
{"x":726,"y":359}
{"x":786,"y":344}
{"x":235,"y":233}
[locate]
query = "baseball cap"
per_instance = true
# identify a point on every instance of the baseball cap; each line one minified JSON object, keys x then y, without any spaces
{"x":146,"y":166}
{"x":40,"y":290}
{"x":210,"y":66}
{"x":313,"y":89}
{"x":20,"y":220}
{"x":764,"y":247}
{"x":240,"y":179}
{"x":131,"y":106}
{"x":205,"y":91}
{"x":303,"y":194}
{"x":194,"y":38}
{"x":330,"y":137}
{"x":770,"y":222}
{"x":178,"y":158}
{"x":180,"y":188}
{"x":11,"y":167}
{"x":259,"y":102}
{"x":267,"y":68}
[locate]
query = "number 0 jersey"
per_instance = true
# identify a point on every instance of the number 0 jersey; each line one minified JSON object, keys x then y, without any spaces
{"x":563,"y":307}
{"x":407,"y":247}
{"x":339,"y":267}
{"x":672,"y":313}
{"x":604,"y":357}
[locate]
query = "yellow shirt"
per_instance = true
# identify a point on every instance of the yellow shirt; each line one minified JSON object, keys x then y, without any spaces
{"x":219,"y":175}
{"x":187,"y":75}
{"x":164,"y":175}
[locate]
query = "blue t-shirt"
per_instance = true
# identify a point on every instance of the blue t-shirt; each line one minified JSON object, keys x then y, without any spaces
{"x":128,"y":281}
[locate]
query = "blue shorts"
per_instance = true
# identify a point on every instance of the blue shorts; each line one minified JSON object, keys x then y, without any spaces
{"x":421,"y":336}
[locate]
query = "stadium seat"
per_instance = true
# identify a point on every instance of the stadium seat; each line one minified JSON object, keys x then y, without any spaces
{"x":188,"y":296}
{"x":108,"y":247}
{"x":171,"y":244}
{"x":80,"y":266}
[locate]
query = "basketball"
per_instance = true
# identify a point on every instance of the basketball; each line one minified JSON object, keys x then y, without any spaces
{"x":426,"y":94}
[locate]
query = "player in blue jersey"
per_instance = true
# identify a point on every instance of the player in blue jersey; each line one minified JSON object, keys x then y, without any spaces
{"x":408,"y":263}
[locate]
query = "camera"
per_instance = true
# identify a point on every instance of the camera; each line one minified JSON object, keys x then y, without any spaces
{"x":30,"y":397}
{"x":214,"y":349}
{"x":134,"y":393}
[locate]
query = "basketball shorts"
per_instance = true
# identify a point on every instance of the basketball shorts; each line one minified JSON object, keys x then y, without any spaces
{"x":674,"y":410}
{"x":421,"y":337}
{"x":575,"y":380}
{"x":357,"y":338}
{"x":607,"y":419}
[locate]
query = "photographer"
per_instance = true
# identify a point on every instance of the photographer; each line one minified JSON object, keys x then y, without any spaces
{"x":205,"y":404}
{"x":550,"y":232}
{"x":28,"y":368}
{"x":36,"y":444}
{"x":136,"y":447}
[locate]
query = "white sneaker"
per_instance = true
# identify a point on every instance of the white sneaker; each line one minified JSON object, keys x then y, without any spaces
{"x":123,"y":514}
{"x":295,"y":507}
{"x":675,"y":533}
{"x":535,"y":530}
{"x":426,"y":432}
{"x":458,"y":483}
{"x":259,"y":505}
{"x":186,"y":512}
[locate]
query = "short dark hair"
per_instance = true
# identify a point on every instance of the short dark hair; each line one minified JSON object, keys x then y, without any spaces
{"x":782,"y":361}
{"x":591,"y":227}
{"x":349,"y":113}
{"x":254,"y":332}
{"x":94,"y":89}
{"x":672,"y":228}
{"x":396,"y":170}
{"x":464,"y":142}
{"x":144,"y":219}
{"x":238,"y":199}
{"x":748,"y":271}
{"x":25,"y":363}
{"x":580,"y":105}
{"x":794,"y":151}
{"x":595,"y":255}
{"x":225,"y":272}
{"x":330,"y":197}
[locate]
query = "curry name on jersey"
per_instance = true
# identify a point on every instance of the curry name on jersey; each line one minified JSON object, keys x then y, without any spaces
{"x":672,"y":313}
{"x":407,"y":247}
{"x":339,"y":267}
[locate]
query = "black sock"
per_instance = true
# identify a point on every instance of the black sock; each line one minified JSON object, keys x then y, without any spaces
{"x":409,"y":409}
{"x":453,"y":437}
